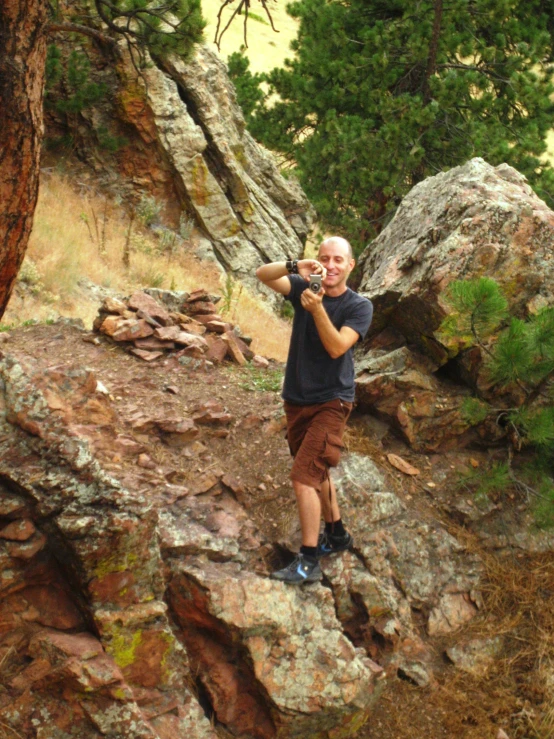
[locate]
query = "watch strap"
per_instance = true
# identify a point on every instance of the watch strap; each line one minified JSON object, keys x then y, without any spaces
{"x":292,"y":266}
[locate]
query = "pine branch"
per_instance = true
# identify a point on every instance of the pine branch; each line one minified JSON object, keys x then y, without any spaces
{"x":83,"y":30}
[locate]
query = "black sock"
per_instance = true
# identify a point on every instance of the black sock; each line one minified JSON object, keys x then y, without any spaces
{"x":309,"y":551}
{"x":335,"y":528}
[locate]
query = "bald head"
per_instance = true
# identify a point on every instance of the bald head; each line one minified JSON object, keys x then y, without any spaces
{"x":338,"y":241}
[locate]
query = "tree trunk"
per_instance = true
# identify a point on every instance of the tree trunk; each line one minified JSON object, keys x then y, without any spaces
{"x":22,"y":69}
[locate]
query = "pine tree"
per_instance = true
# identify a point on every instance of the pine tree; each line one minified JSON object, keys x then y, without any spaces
{"x":382,"y":94}
{"x":516,"y":352}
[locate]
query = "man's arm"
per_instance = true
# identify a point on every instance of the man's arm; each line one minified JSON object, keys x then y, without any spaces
{"x":336,"y":342}
{"x":275,"y":274}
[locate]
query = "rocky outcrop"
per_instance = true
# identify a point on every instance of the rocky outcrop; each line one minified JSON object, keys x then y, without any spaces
{"x":475,"y":220}
{"x":113,"y":605}
{"x":138,"y":610}
{"x":181,"y":137}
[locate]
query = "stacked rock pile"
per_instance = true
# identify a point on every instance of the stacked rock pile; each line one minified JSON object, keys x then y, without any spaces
{"x":186,"y":323}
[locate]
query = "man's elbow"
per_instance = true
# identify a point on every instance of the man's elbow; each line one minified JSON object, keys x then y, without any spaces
{"x":336,"y":352}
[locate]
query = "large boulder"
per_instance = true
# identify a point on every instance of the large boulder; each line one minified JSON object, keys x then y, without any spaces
{"x":182,"y":138}
{"x":474,"y":220}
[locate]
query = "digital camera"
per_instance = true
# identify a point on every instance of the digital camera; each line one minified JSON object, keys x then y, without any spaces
{"x":315,"y":283}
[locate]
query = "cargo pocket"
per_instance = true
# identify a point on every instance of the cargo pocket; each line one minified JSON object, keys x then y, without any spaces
{"x":333,"y":449}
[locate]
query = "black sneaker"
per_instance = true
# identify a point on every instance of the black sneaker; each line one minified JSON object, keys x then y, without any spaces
{"x":331,"y":544}
{"x":302,"y":569}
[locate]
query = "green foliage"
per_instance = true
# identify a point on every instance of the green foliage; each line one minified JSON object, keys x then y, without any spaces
{"x":74,"y":77}
{"x":372,"y":103}
{"x":148,"y":209}
{"x":478,"y":306}
{"x":491,"y":481}
{"x":261,"y":380}
{"x":286,"y":310}
{"x":474,"y":411}
{"x":523,"y":353}
{"x":229,"y":298}
{"x":536,"y":424}
{"x":250,"y":96}
{"x":171,"y":27}
{"x":512,"y":358}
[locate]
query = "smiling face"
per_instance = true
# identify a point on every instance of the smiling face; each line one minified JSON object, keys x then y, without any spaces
{"x":335,"y":254}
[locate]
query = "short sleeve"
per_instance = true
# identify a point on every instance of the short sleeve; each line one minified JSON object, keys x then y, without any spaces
{"x":360,"y":316}
{"x":297,"y":287}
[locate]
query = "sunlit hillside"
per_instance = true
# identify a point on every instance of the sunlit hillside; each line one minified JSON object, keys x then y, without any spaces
{"x":77,"y":244}
{"x":266,"y":48}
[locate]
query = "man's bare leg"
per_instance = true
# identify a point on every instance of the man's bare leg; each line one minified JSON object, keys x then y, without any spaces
{"x":309,"y":511}
{"x":329,"y":504}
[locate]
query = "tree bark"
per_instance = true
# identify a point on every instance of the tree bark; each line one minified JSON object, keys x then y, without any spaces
{"x":22,"y":70}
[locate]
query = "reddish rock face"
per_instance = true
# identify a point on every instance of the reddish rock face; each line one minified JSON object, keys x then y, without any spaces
{"x":18,"y":530}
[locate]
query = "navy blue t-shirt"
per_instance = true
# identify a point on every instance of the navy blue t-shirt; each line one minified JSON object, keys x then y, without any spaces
{"x":312,"y":376}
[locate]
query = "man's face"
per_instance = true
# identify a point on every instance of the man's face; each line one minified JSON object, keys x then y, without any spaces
{"x":335,"y":257}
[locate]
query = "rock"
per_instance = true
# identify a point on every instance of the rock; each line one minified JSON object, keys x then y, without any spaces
{"x":133,"y":330}
{"x":476,"y":655}
{"x":408,"y":563}
{"x":171,"y":299}
{"x":402,"y":465}
{"x":201,"y":307}
{"x":259,"y":361}
{"x":154,"y":344}
{"x":178,"y":431}
{"x":204,"y":483}
{"x":198,"y":295}
{"x":211,"y":416}
{"x":194,"y":327}
{"x":191,"y":340}
{"x":141,"y":301}
{"x":187,"y":145}
{"x":453,"y":610}
{"x":217,"y":349}
{"x":167,"y":333}
{"x":113,"y":305}
{"x":27,"y":549}
{"x":218,"y":327}
{"x":243,"y":346}
{"x":205,"y":319}
{"x":18,"y":530}
{"x":127,"y":447}
{"x":471,"y":221}
{"x":111,"y":324}
{"x":146,"y":461}
{"x":233,"y":349}
{"x":315,"y":683}
{"x":147,"y":356}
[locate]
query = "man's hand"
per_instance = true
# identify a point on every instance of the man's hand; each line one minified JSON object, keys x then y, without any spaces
{"x":307,"y":267}
{"x":312,"y":302}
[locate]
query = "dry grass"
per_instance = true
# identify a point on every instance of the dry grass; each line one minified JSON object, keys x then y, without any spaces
{"x":70,"y":244}
{"x":517,"y":693}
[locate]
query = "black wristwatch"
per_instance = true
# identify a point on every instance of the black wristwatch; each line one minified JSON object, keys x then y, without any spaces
{"x":292,"y":266}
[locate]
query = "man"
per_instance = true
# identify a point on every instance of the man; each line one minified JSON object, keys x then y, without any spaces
{"x":318,"y":392}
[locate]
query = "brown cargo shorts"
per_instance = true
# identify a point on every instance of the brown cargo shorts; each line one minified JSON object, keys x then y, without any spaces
{"x":314,"y":434}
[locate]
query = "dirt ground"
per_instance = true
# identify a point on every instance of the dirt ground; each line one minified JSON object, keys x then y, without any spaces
{"x":519,"y":589}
